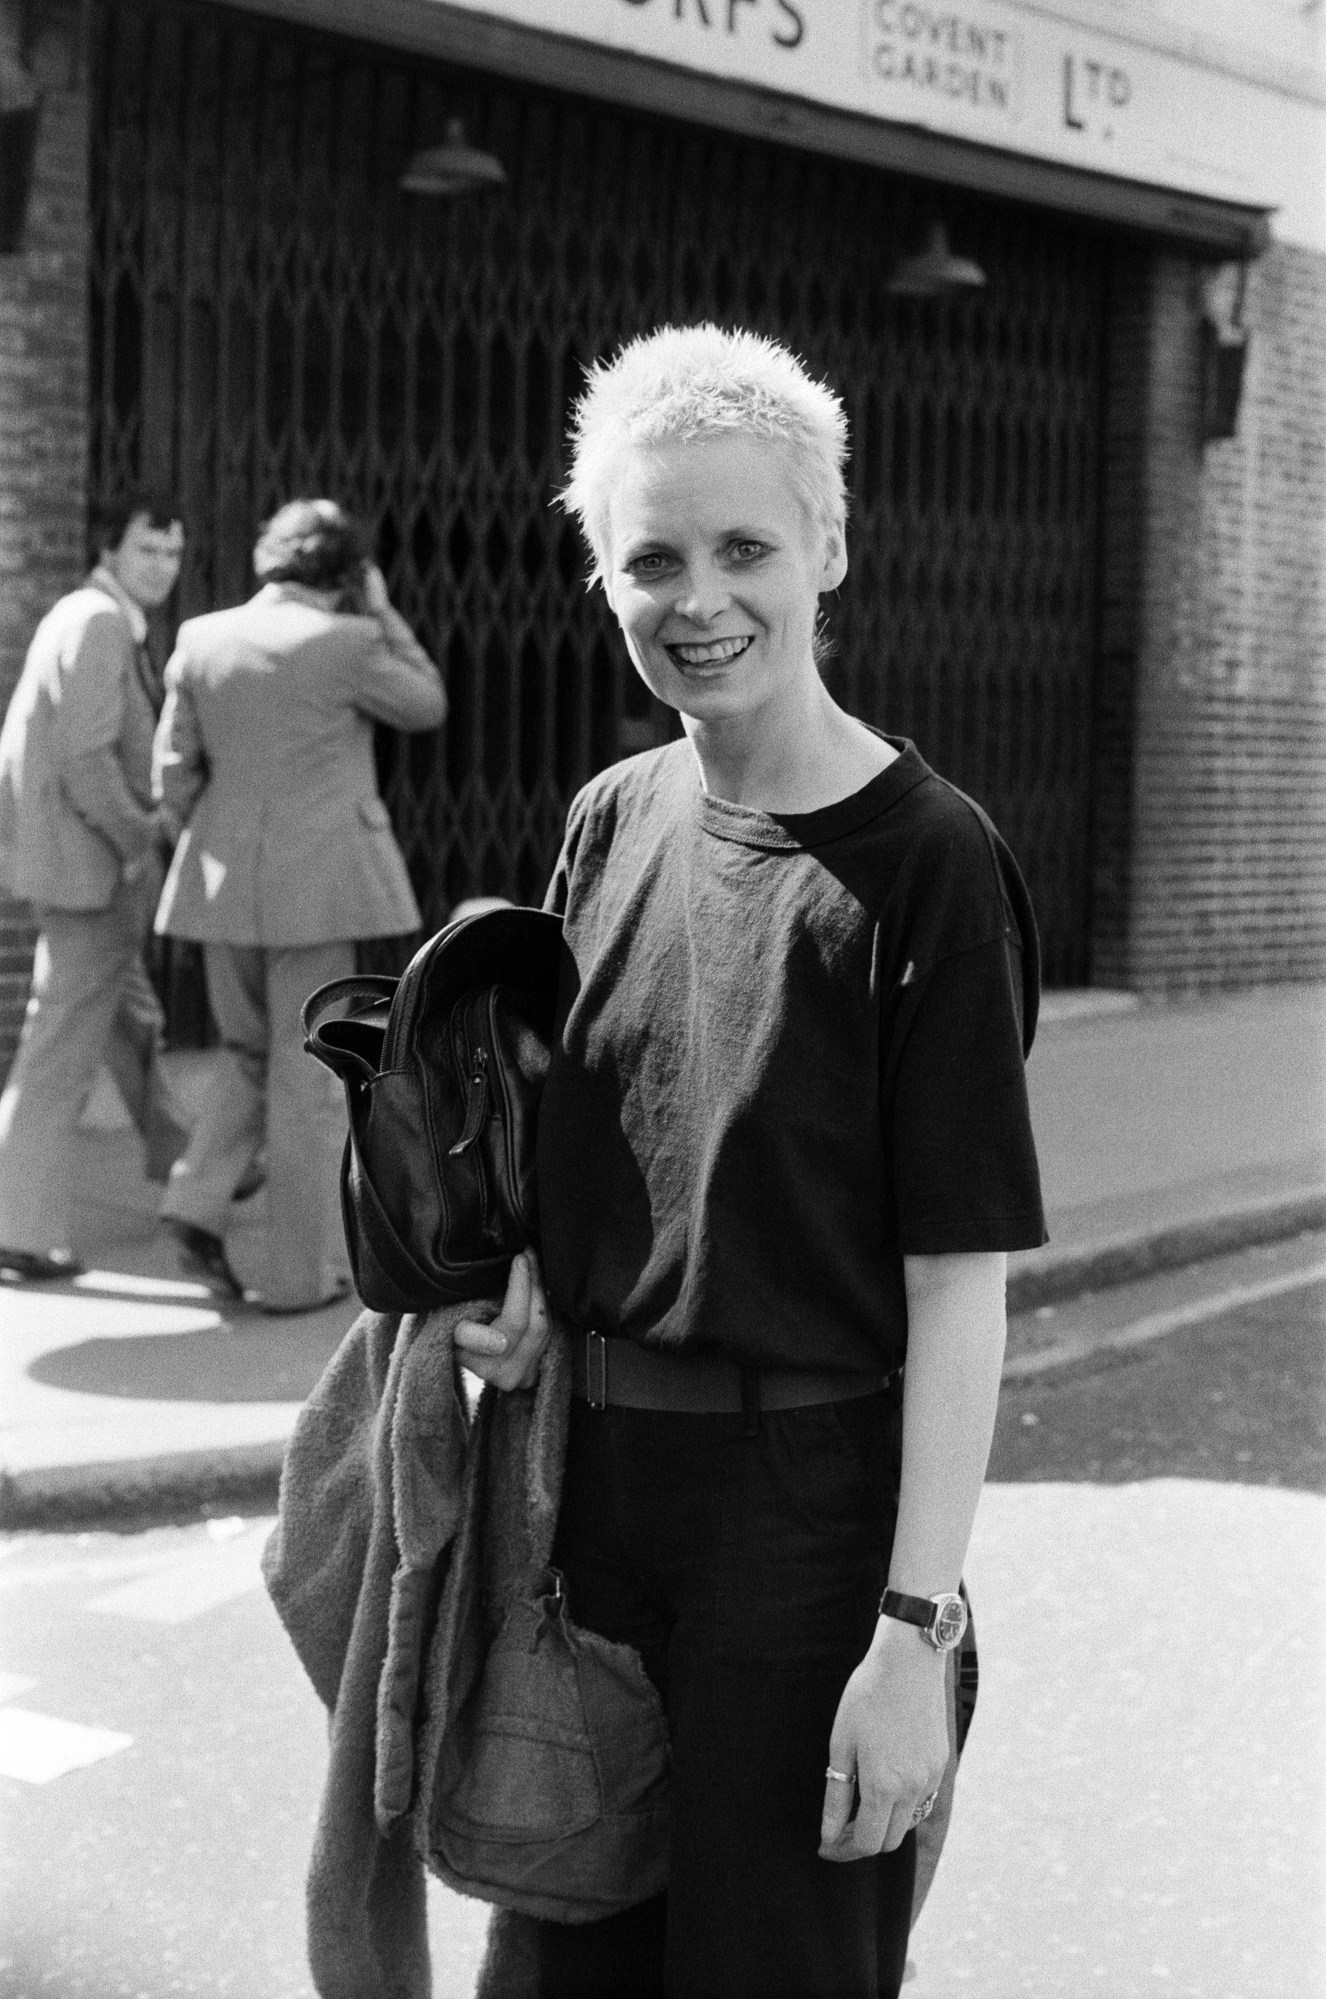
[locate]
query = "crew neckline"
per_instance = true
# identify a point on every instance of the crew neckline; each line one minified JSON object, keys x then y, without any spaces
{"x":790,"y":832}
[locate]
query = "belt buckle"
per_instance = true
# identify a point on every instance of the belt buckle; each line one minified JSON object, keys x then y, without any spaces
{"x":596,"y":1370}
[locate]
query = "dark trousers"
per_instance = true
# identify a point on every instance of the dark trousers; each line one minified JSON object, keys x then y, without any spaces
{"x":746,"y":1568}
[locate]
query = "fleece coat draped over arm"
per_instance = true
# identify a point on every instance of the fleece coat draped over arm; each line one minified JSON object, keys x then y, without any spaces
{"x":371,"y":1494}
{"x":329,"y":1566}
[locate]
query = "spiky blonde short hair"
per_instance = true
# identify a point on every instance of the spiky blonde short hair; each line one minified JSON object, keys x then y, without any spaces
{"x":686,"y":382}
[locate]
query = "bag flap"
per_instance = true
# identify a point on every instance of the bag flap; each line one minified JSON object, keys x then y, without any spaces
{"x":513,"y":947}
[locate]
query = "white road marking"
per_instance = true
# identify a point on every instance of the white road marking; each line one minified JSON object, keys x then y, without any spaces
{"x":36,"y":1748}
{"x":1157,"y":1324}
{"x":14,"y":1684}
{"x":210,"y":1575}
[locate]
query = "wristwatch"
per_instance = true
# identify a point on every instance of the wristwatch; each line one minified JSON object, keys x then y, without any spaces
{"x":942,"y":1619}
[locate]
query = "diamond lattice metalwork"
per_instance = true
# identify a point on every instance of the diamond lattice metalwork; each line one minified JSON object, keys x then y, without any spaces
{"x":271,"y":315}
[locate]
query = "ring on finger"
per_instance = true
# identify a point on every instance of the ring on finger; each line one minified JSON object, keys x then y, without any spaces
{"x":839,"y":1776}
{"x":924,"y":1809}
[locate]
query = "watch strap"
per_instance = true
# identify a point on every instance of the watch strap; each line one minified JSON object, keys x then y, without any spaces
{"x":942,"y":1619}
{"x":911,"y":1609}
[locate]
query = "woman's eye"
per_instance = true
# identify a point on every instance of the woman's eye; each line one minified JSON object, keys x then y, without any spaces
{"x":747,"y":551}
{"x":652,"y":564}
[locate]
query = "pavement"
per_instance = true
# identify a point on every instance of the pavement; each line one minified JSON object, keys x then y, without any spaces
{"x":1168,"y":1133}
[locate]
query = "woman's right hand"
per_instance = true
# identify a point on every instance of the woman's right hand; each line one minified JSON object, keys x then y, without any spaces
{"x":507,"y":1351}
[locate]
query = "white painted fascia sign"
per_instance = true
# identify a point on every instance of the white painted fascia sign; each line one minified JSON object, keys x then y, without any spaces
{"x":1110,"y":88}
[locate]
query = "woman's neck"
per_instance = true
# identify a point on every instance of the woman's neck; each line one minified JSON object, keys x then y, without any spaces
{"x":791,"y":762}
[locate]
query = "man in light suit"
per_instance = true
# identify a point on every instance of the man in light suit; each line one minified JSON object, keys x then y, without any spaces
{"x":264,"y":759}
{"x":81,"y":840}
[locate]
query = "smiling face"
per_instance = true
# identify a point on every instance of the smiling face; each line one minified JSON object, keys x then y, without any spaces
{"x":714,"y":570}
{"x":147,"y":561}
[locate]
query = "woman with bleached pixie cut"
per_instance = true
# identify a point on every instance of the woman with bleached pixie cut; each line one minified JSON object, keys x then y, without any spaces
{"x":695,"y":381}
{"x":783,"y":1149}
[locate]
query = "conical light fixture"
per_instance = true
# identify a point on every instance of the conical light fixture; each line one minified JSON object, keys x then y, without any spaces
{"x":454,"y":167}
{"x":936,"y":272}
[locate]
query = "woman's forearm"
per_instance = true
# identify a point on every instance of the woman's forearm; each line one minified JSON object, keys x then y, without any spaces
{"x":891,"y":1727}
{"x":955,"y":1351}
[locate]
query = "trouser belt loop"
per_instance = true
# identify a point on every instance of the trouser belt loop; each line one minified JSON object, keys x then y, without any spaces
{"x":596,"y":1370}
{"x":750,"y":1401}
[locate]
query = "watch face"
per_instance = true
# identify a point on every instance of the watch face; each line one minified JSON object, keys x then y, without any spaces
{"x":950,"y":1622}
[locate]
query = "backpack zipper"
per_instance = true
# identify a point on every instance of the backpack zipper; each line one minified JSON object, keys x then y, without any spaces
{"x":476,"y":1109}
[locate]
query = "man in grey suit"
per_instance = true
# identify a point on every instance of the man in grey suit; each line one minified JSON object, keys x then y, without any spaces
{"x":81,"y":840}
{"x":264,"y":759}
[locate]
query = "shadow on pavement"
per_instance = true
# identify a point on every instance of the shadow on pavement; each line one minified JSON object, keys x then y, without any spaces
{"x":1242,"y":1402}
{"x":219,"y":1365}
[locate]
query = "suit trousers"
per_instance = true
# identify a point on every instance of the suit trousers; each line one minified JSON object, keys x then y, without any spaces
{"x":264,"y":1088}
{"x":744,"y":1561}
{"x":91,"y":1002}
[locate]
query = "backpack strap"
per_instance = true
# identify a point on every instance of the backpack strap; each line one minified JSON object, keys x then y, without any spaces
{"x":350,"y":1045}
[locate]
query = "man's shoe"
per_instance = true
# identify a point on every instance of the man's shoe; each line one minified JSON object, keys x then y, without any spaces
{"x":204,"y":1255}
{"x":40,"y":1266}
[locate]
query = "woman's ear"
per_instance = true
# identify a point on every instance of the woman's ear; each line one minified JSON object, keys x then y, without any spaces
{"x":835,"y":558}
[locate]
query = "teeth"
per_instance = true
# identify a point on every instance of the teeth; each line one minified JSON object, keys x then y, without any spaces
{"x":710,"y":655}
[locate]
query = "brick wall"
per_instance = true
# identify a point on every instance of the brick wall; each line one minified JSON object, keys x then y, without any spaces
{"x":1122,"y":563}
{"x":43,"y":393}
{"x":1224,"y":846}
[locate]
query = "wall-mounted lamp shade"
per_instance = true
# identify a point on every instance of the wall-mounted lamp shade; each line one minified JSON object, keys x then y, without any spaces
{"x":18,"y":144}
{"x":20,"y":112}
{"x":1224,"y":357}
{"x":936,"y":272}
{"x":452,"y":168}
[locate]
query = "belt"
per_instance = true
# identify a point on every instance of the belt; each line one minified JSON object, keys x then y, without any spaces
{"x":628,"y":1376}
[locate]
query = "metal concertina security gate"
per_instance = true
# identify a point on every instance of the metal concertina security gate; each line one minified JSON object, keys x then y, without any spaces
{"x":272,"y":316}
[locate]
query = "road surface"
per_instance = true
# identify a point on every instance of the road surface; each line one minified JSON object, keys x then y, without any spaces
{"x":1141,"y":1805}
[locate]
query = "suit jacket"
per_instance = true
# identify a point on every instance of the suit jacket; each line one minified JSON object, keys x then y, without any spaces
{"x":76,"y":756}
{"x":264,"y":755}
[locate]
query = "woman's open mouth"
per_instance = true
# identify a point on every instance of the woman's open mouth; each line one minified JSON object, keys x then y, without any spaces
{"x":715,"y":652}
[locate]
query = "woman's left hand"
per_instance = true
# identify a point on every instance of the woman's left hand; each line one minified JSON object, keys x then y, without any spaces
{"x":507,"y":1351}
{"x":891,"y":1733}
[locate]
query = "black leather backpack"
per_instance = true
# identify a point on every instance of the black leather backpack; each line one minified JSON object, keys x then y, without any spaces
{"x":443,"y":1069}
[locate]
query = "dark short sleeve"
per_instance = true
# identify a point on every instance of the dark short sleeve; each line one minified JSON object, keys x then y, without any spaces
{"x":964,"y":1157}
{"x":554,"y":900}
{"x":555,"y":897}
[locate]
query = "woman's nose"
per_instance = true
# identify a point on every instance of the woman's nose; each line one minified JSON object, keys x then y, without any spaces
{"x":704,"y":594}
